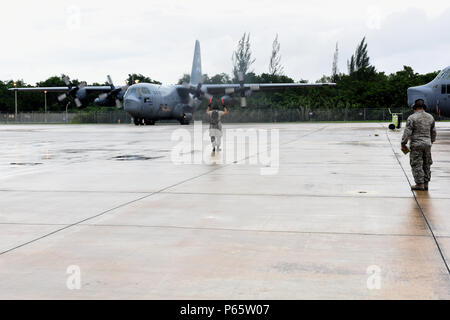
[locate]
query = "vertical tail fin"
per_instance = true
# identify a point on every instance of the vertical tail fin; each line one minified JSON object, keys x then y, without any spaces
{"x":196,"y":74}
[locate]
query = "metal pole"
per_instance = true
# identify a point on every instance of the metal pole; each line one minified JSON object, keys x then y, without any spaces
{"x":15,"y":101}
{"x":67,"y":107}
{"x":45,"y":105}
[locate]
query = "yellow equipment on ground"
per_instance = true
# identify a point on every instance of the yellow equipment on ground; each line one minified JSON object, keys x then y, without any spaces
{"x":396,"y":120}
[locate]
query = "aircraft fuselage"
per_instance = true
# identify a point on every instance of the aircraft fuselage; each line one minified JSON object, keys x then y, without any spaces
{"x":436,"y":94}
{"x":148,"y":103}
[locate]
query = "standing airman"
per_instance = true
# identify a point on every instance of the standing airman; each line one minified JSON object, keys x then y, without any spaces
{"x":421,"y":132}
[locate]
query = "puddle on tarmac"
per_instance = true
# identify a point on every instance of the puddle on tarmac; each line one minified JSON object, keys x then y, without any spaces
{"x":25,"y":163}
{"x":134,"y":158}
{"x":362,"y":192}
{"x":355,"y":143}
{"x":86,"y":150}
{"x":189,"y":152}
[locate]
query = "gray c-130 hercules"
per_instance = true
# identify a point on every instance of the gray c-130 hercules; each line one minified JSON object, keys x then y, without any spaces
{"x":435,"y":94}
{"x":148,"y":103}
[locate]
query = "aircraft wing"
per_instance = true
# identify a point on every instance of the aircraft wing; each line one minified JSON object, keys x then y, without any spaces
{"x":231,"y":88}
{"x":61,"y":89}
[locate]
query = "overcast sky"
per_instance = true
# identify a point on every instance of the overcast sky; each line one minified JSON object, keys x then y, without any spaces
{"x":90,"y":39}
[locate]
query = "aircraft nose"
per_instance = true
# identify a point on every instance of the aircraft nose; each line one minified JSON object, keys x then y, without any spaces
{"x":415,"y":93}
{"x":132,"y":106}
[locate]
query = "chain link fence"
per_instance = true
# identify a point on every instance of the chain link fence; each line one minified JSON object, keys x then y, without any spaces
{"x":119,"y":116}
{"x":307,"y":114}
{"x":236,"y":115}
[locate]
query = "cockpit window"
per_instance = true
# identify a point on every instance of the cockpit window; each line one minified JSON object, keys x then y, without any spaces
{"x":444,"y":74}
{"x":145,"y":90}
{"x":142,"y":91}
{"x":130,"y":91}
{"x":137,"y":91}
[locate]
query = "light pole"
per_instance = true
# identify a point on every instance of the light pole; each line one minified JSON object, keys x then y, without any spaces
{"x":67,"y":111}
{"x":45,"y":104}
{"x":15,"y":100}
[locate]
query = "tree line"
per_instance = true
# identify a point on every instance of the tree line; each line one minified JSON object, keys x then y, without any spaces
{"x":361,"y":86}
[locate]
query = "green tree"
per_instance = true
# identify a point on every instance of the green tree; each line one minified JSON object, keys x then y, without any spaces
{"x":220,"y":78}
{"x":351,"y":65}
{"x":334,"y":68}
{"x":242,"y":57}
{"x":360,"y":61}
{"x":186,"y":78}
{"x":275,"y":67}
{"x":133,"y":78}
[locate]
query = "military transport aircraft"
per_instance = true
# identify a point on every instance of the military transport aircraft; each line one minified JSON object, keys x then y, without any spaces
{"x":436,"y":94}
{"x":147,"y":103}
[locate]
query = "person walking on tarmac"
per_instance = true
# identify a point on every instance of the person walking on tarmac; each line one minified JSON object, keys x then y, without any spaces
{"x":215,"y":125}
{"x":420,"y":130}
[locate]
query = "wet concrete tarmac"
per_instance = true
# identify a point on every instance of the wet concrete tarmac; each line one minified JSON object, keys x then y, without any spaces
{"x":335,"y":220}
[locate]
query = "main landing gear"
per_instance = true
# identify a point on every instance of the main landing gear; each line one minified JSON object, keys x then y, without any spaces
{"x":186,"y":119}
{"x":142,"y":121}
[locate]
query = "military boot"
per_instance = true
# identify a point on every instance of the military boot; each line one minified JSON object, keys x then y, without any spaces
{"x":425,"y":186}
{"x":418,"y":187}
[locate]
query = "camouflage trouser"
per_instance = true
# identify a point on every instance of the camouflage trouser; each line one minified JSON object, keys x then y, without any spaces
{"x":421,"y":161}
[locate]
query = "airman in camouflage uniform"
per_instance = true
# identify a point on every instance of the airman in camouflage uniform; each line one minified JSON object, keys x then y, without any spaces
{"x":215,"y":126}
{"x":421,"y":132}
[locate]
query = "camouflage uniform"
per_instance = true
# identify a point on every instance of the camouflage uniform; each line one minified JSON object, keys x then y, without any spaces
{"x":421,"y":131}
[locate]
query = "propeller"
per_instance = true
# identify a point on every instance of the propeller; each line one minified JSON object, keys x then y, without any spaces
{"x":196,"y":92}
{"x":114,"y":93}
{"x":229,"y":92}
{"x":76,"y":91}
{"x":244,"y":93}
{"x":226,"y":99}
{"x":242,"y":89}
